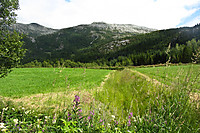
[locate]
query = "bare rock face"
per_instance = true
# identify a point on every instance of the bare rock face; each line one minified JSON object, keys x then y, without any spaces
{"x":122,"y":28}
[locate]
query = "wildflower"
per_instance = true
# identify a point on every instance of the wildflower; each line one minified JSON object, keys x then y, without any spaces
{"x":89,"y":117}
{"x":108,"y":124}
{"x":134,"y":119}
{"x":101,"y":120}
{"x":69,"y":118}
{"x":69,"y":114}
{"x":26,"y":112}
{"x":54,"y":121}
{"x":4,"y":109}
{"x":131,"y":114}
{"x":113,"y":116}
{"x":129,"y":122}
{"x":116,"y":123}
{"x":15,"y":121}
{"x":77,"y":99}
{"x":92,"y":112}
{"x":19,"y":128}
{"x":2,"y":126}
{"x":80,"y":110}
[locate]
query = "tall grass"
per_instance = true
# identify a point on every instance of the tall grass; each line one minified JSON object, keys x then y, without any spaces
{"x":153,"y":108}
{"x":126,"y":92}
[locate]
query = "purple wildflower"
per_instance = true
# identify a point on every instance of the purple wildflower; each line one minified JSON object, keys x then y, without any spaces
{"x":92,"y":112}
{"x":89,"y":117}
{"x":129,"y":122}
{"x":77,"y":99}
{"x":131,"y":115}
{"x":116,"y":122}
{"x":69,"y":118}
{"x":101,"y":120}
{"x":80,"y":110}
{"x":69,"y":114}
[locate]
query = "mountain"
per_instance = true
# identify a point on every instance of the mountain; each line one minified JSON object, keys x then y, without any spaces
{"x":100,"y":42}
{"x":46,"y":43}
{"x":33,"y":29}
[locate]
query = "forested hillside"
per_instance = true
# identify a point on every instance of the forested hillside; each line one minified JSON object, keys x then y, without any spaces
{"x":113,"y":45}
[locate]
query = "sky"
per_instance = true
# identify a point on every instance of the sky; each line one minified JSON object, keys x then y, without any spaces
{"x":158,"y":14}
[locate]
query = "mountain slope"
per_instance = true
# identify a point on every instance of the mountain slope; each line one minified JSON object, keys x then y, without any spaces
{"x":45,"y":43}
{"x":111,"y":43}
{"x":32,"y":30}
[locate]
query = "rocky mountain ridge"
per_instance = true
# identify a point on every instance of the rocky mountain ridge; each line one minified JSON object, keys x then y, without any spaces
{"x":32,"y":29}
{"x":122,"y":28}
{"x":35,"y":30}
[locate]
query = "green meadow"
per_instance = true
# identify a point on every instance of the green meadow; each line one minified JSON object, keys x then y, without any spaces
{"x":186,"y":75}
{"x":28,"y":81}
{"x":95,"y":100}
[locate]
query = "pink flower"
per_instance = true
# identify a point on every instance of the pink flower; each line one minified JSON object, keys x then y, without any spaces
{"x":129,"y":122}
{"x":101,"y":120}
{"x":92,"y":112}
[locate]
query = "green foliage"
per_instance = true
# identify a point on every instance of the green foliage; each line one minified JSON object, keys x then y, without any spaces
{"x":11,"y":51}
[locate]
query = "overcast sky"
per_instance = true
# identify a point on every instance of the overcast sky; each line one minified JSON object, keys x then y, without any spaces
{"x":159,"y":14}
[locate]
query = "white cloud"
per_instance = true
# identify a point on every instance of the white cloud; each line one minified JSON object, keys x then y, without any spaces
{"x":61,"y":14}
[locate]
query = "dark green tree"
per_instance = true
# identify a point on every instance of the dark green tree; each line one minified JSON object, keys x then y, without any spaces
{"x":11,"y":51}
{"x":187,"y":54}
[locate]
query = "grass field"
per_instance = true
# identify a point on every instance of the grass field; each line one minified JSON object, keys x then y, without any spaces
{"x":126,"y":102}
{"x":28,"y":81}
{"x":185,"y":74}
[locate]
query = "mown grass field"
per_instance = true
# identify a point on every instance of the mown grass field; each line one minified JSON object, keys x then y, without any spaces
{"x":188,"y":75}
{"x":28,"y":81}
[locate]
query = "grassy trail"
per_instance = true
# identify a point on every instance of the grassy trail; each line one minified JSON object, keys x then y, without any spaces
{"x":156,"y":82}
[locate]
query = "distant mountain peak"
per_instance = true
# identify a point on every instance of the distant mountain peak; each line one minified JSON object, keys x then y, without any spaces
{"x":32,"y":29}
{"x":122,"y":28}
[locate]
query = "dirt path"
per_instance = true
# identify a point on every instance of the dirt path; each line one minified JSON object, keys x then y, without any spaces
{"x":156,"y":82}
